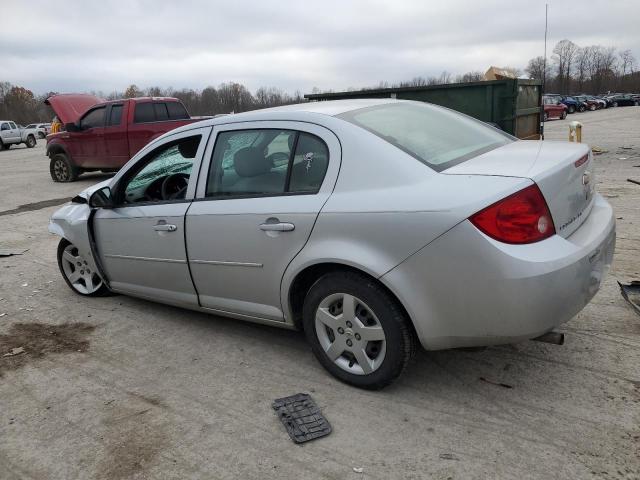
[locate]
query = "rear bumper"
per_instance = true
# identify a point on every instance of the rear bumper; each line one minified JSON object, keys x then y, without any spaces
{"x":466,"y":289}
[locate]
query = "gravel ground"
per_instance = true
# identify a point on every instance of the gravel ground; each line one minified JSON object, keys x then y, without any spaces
{"x":120,"y":388}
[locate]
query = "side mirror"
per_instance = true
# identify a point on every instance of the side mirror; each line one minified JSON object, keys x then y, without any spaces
{"x":101,"y":198}
{"x":72,"y":127}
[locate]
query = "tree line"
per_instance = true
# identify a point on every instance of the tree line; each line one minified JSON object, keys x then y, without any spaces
{"x":571,"y":69}
{"x":592,"y":69}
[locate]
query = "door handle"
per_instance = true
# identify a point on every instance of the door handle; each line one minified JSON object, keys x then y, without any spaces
{"x":277,"y":227}
{"x":163,"y":227}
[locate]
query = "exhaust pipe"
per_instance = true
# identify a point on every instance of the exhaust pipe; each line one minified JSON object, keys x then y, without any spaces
{"x":550,"y":337}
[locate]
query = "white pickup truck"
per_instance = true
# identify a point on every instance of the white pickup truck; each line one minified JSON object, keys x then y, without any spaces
{"x":10,"y":134}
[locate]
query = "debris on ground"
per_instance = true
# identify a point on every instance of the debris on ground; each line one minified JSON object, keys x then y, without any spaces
{"x":631,"y":293}
{"x":633,"y":181}
{"x":448,"y":456}
{"x":358,"y":469}
{"x":8,"y":252}
{"x":598,"y":150}
{"x":499,"y":384}
{"x":301,"y":417}
{"x":14,"y":351}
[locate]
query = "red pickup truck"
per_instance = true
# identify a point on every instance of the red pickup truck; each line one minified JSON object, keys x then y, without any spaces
{"x":104,"y":135}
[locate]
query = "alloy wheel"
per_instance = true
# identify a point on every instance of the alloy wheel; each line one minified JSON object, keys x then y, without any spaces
{"x":350,"y":334}
{"x":78,"y":272}
{"x":61,"y":170}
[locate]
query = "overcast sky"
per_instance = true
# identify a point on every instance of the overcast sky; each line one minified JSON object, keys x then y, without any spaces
{"x":80,"y":45}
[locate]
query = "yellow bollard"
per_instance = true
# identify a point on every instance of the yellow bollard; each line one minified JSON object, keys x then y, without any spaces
{"x":575,"y":132}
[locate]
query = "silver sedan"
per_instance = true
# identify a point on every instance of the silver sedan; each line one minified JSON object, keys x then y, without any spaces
{"x":373,"y":225}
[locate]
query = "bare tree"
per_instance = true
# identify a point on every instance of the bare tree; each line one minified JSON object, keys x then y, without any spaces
{"x":564,"y":54}
{"x":627,"y":61}
{"x":537,"y":69}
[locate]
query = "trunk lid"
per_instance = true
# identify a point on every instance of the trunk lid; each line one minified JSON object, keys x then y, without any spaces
{"x":562,"y":170}
{"x":69,"y":107}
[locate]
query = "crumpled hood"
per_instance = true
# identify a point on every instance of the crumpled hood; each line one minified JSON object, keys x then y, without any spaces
{"x":69,"y":107}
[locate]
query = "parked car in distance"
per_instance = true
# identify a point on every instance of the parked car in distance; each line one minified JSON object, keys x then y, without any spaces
{"x":11,"y":134}
{"x":553,"y":108}
{"x":39,"y":129}
{"x":101,"y":135}
{"x":374,"y":225}
{"x":572,"y":104}
{"x":585,"y":104}
{"x":600,"y":102}
{"x":624,"y":101}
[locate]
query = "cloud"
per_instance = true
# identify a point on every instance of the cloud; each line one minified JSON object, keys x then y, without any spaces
{"x":106,"y":45}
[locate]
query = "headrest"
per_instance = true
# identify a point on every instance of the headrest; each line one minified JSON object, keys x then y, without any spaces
{"x":250,"y":161}
{"x":189,"y":148}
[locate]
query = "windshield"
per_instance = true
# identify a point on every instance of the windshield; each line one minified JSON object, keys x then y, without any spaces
{"x":438,"y":137}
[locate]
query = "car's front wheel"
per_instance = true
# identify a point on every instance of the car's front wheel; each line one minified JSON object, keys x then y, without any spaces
{"x":61,"y":168}
{"x":77,"y":273}
{"x":41,"y":135}
{"x":563,"y":115}
{"x":357,"y":330}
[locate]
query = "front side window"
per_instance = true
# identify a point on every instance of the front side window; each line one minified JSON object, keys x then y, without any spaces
{"x":164,"y":174}
{"x":93,"y":119}
{"x":13,"y":125}
{"x":5,"y":126}
{"x":438,"y":137}
{"x":266,"y":162}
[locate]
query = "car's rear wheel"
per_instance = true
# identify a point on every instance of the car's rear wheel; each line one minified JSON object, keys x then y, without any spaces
{"x":77,"y":273}
{"x":62,"y":169}
{"x":357,"y":330}
{"x":6,"y":146}
{"x":31,"y":141}
{"x":572,"y":109}
{"x":41,"y":135}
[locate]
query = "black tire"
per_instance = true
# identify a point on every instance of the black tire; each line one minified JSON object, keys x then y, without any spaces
{"x":2,"y":146}
{"x":62,"y":169}
{"x":581,"y":108}
{"x":545,"y":116}
{"x":615,"y":104}
{"x":31,"y":141}
{"x":572,"y":109}
{"x":7,"y":146}
{"x":102,"y":291}
{"x":400,"y":340}
{"x":41,"y":135}
{"x":563,"y":115}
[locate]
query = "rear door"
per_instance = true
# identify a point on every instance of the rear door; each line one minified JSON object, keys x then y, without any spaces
{"x":116,"y":142}
{"x":141,"y":241}
{"x":259,"y":193}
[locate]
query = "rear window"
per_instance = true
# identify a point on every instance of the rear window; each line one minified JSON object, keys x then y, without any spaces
{"x":177,"y":111}
{"x":161,"y":111}
{"x":438,"y":137}
{"x":144,"y":113}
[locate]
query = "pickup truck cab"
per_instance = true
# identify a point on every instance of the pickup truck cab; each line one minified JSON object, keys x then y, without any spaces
{"x":104,"y":135}
{"x":11,"y":134}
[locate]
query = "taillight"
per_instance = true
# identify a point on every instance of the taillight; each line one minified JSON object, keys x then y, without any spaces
{"x":519,"y":218}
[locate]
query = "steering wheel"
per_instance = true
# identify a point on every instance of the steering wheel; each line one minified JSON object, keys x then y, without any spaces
{"x":174,"y":185}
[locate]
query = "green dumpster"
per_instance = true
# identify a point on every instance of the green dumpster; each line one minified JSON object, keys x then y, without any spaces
{"x":512,"y":104}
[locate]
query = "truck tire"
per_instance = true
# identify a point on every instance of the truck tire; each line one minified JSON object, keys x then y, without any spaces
{"x":2,"y":146}
{"x":41,"y":136}
{"x":31,"y":141}
{"x":62,"y":169}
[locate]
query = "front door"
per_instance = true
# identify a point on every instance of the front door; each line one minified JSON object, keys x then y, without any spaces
{"x":258,"y":199}
{"x":90,"y":145}
{"x":141,"y":241}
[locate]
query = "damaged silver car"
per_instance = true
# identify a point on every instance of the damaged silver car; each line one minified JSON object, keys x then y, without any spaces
{"x":373,"y":225}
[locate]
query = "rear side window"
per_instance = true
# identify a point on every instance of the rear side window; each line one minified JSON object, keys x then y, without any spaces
{"x":93,"y":119}
{"x":438,"y":137}
{"x":115,"y":117}
{"x":177,"y":111}
{"x":266,"y":162}
{"x":161,"y":111}
{"x":144,"y":113}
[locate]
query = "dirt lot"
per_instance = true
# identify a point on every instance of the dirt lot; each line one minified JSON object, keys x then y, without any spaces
{"x":116,"y":388}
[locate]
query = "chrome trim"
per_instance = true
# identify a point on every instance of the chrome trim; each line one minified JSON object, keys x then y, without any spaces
{"x":146,"y":259}
{"x":228,"y":264}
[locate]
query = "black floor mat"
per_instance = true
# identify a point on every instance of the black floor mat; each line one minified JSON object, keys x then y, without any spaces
{"x":301,"y":417}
